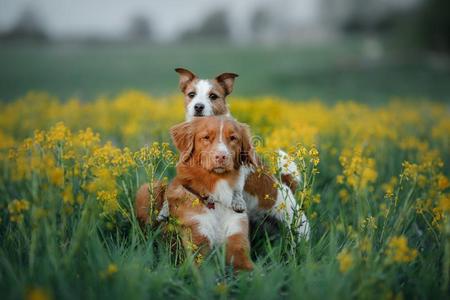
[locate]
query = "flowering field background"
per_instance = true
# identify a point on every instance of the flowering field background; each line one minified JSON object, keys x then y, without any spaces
{"x":379,"y":206}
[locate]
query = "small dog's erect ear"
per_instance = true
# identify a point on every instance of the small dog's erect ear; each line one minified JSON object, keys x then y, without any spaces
{"x":247,"y":155}
{"x":226,"y":80}
{"x":186,"y":76}
{"x":183,"y":139}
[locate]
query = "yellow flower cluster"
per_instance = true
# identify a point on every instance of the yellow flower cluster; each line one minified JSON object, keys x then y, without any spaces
{"x":77,"y":165}
{"x":345,"y":260}
{"x":36,"y":293}
{"x":109,"y":271}
{"x":358,"y":171}
{"x":132,"y":118}
{"x":398,"y":250}
{"x":16,"y":209}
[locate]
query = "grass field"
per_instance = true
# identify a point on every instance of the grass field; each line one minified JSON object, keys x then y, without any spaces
{"x":376,"y":170}
{"x":336,"y":70}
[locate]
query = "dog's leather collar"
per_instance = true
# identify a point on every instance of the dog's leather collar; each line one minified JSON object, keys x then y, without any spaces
{"x":202,"y":198}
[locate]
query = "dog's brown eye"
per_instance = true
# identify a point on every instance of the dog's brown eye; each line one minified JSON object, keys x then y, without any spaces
{"x":191,"y":95}
{"x":213,"y":96}
{"x":206,"y":137}
{"x":233,"y":138}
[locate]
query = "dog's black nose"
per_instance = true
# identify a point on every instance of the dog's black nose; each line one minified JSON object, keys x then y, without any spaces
{"x":199,"y":107}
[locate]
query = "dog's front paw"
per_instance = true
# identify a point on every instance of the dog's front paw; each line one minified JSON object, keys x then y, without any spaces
{"x":164,"y":213}
{"x":238,"y":203}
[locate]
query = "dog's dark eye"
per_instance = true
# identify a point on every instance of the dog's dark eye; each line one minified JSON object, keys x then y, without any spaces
{"x":206,"y":138}
{"x":191,"y":95}
{"x":233,"y":138}
{"x":213,"y":96}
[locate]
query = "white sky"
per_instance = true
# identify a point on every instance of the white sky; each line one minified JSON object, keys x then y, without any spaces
{"x":168,"y":17}
{"x":108,"y":17}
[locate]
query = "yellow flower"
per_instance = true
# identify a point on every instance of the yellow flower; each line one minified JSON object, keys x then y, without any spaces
{"x":438,"y":216}
{"x":314,"y":154}
{"x":221,"y":288}
{"x":344,"y":195}
{"x":39,"y":136}
{"x":109,"y":271}
{"x":410,"y":170}
{"x":365,"y":245}
{"x":112,"y":269}
{"x":358,"y":171}
{"x":345,"y":260}
{"x":109,"y":201}
{"x":87,"y":138}
{"x":369,"y":222}
{"x":389,"y":187}
{"x":443,"y":182}
{"x":37,"y":294}
{"x":16,"y":209}
{"x":281,"y":207}
{"x":68,"y":195}
{"x":196,"y":202}
{"x":444,"y":203}
{"x":398,"y":250}
{"x":103,"y":180}
{"x":316,"y":198}
{"x":57,"y":134}
{"x":199,"y":258}
{"x":57,"y":176}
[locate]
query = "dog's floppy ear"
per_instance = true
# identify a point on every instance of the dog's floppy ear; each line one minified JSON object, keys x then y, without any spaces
{"x":186,"y":76}
{"x":183,"y":139}
{"x":226,"y":80}
{"x":247,"y":155}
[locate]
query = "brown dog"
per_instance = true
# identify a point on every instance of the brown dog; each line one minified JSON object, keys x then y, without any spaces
{"x":212,"y":152}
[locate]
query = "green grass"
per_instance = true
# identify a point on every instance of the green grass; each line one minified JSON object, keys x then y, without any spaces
{"x":332,"y":71}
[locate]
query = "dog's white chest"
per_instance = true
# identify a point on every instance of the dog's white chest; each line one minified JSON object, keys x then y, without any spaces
{"x":221,"y":222}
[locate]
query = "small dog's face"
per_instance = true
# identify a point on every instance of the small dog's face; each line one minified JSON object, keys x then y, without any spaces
{"x":217,"y":144}
{"x":205,"y":97}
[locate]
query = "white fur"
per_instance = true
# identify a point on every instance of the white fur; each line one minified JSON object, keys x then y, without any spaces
{"x":202,"y":90}
{"x":222,"y":147}
{"x":285,"y":209}
{"x":164,"y":213}
{"x":221,"y":222}
{"x":283,"y":212}
{"x":288,"y":166}
{"x":244,"y":171}
{"x":223,"y":193}
{"x":251,"y":201}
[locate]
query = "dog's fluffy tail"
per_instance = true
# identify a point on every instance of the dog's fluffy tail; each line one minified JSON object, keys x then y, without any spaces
{"x":290,"y":175}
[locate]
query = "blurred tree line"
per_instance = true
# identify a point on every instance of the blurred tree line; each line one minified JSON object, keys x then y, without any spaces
{"x":427,"y":26}
{"x":434,"y":25}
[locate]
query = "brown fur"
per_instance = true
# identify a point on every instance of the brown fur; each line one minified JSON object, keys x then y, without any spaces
{"x":197,"y":140}
{"x":195,"y":172}
{"x":290,"y":182}
{"x":262,"y":185}
{"x":237,"y":251}
{"x":145,"y":198}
